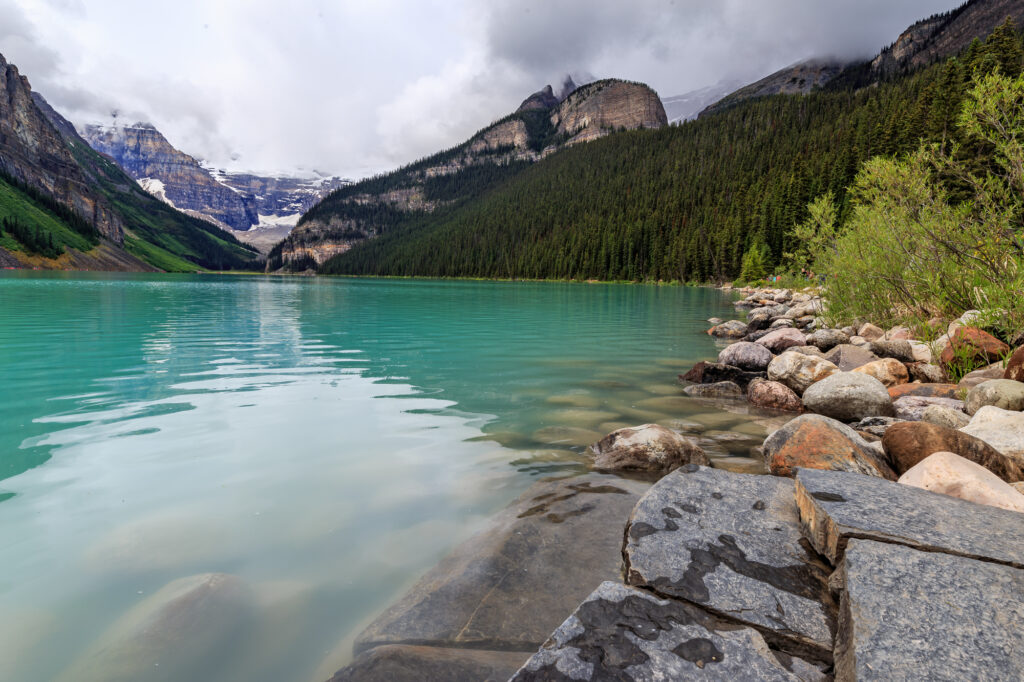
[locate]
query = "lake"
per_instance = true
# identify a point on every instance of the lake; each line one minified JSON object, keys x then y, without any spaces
{"x":324,"y":440}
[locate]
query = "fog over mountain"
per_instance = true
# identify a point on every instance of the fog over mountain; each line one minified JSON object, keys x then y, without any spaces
{"x":352,"y":88}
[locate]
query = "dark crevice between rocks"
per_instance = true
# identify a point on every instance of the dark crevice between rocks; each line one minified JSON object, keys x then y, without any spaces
{"x":845,"y":539}
{"x":549,"y":499}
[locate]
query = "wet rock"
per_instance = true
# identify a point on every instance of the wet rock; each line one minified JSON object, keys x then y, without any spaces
{"x":798,"y":371}
{"x":980,"y":376}
{"x":751,"y":357}
{"x":649,"y":448}
{"x":887,"y":370}
{"x":722,"y":389}
{"x":827,"y":339}
{"x":972,"y":345}
{"x":714,"y":372}
{"x":924,"y":391}
{"x":876,"y":426}
{"x":908,"y":443}
{"x":943,"y":416}
{"x":814,"y":441}
{"x":870,"y":332}
{"x":926,"y":373}
{"x":897,"y":350}
{"x":781,"y":339}
{"x":911,"y":408}
{"x":1002,"y":429}
{"x":848,"y":357}
{"x":836,"y":506}
{"x":733,"y":329}
{"x":1015,"y":367}
{"x":497,"y":590}
{"x":404,"y":663}
{"x":715,"y":321}
{"x":950,"y":474}
{"x":911,"y":615}
{"x":774,"y":396}
{"x":176,"y":634}
{"x":848,"y":396}
{"x":732,"y":544}
{"x":1003,"y":393}
{"x":621,"y":633}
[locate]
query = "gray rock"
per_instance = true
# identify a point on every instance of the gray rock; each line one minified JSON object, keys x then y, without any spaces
{"x":733,"y":329}
{"x":807,"y":350}
{"x":876,"y":426}
{"x":715,"y":321}
{"x":1003,"y":393}
{"x":404,"y":663}
{"x":848,"y":396}
{"x":911,"y":407}
{"x":926,"y":373}
{"x":722,"y":389}
{"x":758,"y":319}
{"x":980,"y":376}
{"x":836,"y":506}
{"x":650,"y":448}
{"x":911,"y":615}
{"x":827,"y":339}
{"x":781,"y":322}
{"x":898,"y":350}
{"x":497,"y":590}
{"x":747,"y":356}
{"x":798,"y":371}
{"x":732,"y":544}
{"x":621,"y":633}
{"x":944,"y":416}
{"x":848,"y":357}
{"x":782,"y":338}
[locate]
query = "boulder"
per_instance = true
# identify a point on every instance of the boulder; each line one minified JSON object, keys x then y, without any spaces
{"x":408,"y":663}
{"x":912,"y":615}
{"x":922,"y":351}
{"x":752,"y":357}
{"x":950,"y":474}
{"x":926,"y":373}
{"x":497,"y":590}
{"x":781,"y":322}
{"x":814,"y":441}
{"x":754,"y":336}
{"x":649,"y":448}
{"x":897,"y":350}
{"x":1015,"y":367}
{"x":758,"y":319}
{"x":972,"y":346}
{"x":980,"y":376}
{"x":1002,"y":429}
{"x":860,"y":342}
{"x":848,"y":396}
{"x":908,"y":443}
{"x":887,"y":370}
{"x":806,"y":350}
{"x":732,"y":544}
{"x":912,"y":407}
{"x":898,"y":333}
{"x":723,"y":389}
{"x":798,"y":371}
{"x":836,"y":506}
{"x":827,"y":339}
{"x":715,"y":321}
{"x":870,"y":332}
{"x":848,"y":357}
{"x":924,"y":391}
{"x":625,"y":634}
{"x":1003,"y":393}
{"x":944,"y":416}
{"x":781,"y":339}
{"x":733,"y":329}
{"x":774,"y":396}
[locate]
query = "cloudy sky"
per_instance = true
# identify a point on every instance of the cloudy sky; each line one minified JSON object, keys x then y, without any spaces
{"x":353,"y":87}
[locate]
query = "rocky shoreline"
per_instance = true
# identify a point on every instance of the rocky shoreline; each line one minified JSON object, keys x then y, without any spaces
{"x":886,"y":543}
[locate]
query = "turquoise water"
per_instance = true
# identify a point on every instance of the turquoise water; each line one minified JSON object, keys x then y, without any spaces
{"x":324,"y":440}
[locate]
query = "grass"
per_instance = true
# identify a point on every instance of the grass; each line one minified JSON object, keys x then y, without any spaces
{"x":158,"y":257}
{"x":19,"y":206}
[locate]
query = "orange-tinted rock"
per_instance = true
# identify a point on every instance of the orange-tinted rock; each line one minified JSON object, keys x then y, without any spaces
{"x":924,"y":391}
{"x":907,"y":443}
{"x":974,"y":345}
{"x":774,"y":396}
{"x":1015,"y":368}
{"x":889,"y":371}
{"x":816,"y":442}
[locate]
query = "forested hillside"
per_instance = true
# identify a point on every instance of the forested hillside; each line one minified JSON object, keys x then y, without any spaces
{"x":685,"y":202}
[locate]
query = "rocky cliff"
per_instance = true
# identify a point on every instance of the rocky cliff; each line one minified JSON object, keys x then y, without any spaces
{"x":944,"y":35}
{"x":796,"y":79}
{"x":596,"y":109}
{"x":33,"y":151}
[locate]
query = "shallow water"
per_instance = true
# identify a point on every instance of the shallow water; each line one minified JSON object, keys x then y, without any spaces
{"x":325,"y":440}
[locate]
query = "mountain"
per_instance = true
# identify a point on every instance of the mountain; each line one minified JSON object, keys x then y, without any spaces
{"x":796,"y":79}
{"x":62,"y":205}
{"x":243,"y":203}
{"x":686,"y":107}
{"x":542,"y":125}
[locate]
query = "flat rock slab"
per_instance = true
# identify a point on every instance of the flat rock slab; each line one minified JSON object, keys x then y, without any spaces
{"x":510,"y":585}
{"x":402,"y":663}
{"x":836,"y":506}
{"x":911,"y":615}
{"x":621,"y":633}
{"x":732,"y":544}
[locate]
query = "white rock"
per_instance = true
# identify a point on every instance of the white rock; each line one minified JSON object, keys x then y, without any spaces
{"x":1002,"y":429}
{"x":950,"y":474}
{"x":922,"y":351}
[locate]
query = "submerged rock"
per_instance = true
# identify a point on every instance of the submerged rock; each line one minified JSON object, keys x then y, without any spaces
{"x":722,"y":389}
{"x":817,"y":442}
{"x":950,"y":474}
{"x":716,"y":372}
{"x":848,"y":396}
{"x":1003,"y":393}
{"x":732,"y":543}
{"x":909,"y":443}
{"x":406,"y":663}
{"x":648,"y":448}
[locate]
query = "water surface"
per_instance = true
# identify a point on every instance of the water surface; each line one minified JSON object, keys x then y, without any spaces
{"x":325,"y":440}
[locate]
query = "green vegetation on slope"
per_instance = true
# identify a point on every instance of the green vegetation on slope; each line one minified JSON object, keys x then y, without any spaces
{"x":33,"y":222}
{"x":685,"y":202}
